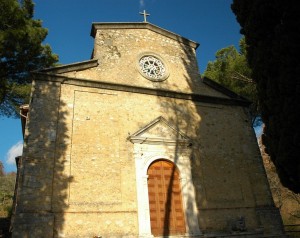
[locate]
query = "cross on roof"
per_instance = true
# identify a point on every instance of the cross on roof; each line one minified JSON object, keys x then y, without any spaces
{"x":145,"y":15}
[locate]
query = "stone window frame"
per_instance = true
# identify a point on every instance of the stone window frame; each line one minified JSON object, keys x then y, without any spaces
{"x":149,"y":53}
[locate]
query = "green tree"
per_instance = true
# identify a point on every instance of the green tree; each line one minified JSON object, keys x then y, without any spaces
{"x":270,"y":29}
{"x":231,"y":70}
{"x":7,"y":186}
{"x":21,"y":51}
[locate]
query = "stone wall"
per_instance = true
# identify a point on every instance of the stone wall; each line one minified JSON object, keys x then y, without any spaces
{"x":78,"y":177}
{"x":93,"y":168}
{"x":96,"y":176}
{"x":33,"y":216}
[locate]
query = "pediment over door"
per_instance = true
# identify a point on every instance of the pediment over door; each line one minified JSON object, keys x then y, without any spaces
{"x":159,"y":131}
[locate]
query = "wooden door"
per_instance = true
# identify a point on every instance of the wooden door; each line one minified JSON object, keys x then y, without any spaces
{"x":166,"y":212}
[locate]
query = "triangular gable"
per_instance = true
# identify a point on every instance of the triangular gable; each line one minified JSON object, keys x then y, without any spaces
{"x":159,"y":131}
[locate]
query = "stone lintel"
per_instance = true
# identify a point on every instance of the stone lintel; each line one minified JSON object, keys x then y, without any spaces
{"x":154,"y":141}
{"x":142,"y":90}
{"x":141,"y":25}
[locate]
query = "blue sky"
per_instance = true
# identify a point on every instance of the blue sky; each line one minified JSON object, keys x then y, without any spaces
{"x":208,"y":22}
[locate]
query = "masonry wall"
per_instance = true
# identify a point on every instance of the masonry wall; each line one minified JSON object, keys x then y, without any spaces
{"x":78,"y":172}
{"x":81,"y":165}
{"x":34,"y":217}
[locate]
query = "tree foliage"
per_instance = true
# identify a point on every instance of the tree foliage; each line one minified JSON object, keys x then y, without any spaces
{"x":231,"y":70}
{"x":7,"y":186}
{"x":271,"y":32}
{"x":21,"y":51}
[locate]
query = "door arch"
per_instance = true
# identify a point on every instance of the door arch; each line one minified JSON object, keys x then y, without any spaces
{"x":165,"y":199}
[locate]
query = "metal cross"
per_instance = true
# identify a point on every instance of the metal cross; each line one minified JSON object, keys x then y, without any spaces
{"x":145,"y":15}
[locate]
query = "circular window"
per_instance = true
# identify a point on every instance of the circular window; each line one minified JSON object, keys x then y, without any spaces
{"x":152,"y":68}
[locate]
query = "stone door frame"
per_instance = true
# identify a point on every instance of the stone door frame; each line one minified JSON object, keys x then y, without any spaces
{"x":160,"y":140}
{"x":143,"y":159}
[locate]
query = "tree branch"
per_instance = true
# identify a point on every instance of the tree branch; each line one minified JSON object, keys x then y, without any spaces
{"x":242,"y":77}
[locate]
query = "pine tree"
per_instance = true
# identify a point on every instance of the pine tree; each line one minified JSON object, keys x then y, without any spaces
{"x":231,"y":69}
{"x":21,"y":51}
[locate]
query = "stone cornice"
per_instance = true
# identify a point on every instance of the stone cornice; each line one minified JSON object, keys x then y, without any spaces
{"x":141,"y":25}
{"x":218,"y":87}
{"x":173,"y":137}
{"x":142,"y":90}
{"x":71,"y":67}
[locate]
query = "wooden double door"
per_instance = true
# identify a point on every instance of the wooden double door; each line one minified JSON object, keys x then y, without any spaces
{"x":165,"y":200}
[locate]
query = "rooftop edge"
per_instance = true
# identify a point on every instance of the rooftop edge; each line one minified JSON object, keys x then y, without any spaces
{"x":141,"y":25}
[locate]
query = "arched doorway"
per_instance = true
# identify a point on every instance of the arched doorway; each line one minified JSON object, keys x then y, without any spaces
{"x":165,"y":200}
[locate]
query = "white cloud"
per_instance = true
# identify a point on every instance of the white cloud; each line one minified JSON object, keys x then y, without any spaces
{"x":142,"y":3}
{"x":13,"y":152}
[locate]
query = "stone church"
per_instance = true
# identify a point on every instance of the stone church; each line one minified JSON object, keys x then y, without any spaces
{"x":134,"y":143}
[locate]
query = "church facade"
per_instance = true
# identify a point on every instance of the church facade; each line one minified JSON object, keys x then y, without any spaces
{"x":133,"y":143}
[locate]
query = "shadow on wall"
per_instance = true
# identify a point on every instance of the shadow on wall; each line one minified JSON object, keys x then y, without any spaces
{"x":216,"y":173}
{"x":184,"y":117}
{"x":42,"y":165}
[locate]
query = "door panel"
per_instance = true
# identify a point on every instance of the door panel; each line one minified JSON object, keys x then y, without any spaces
{"x":165,"y":202}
